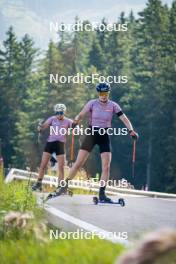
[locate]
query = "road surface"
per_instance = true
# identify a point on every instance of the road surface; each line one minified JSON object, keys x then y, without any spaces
{"x":140,"y":215}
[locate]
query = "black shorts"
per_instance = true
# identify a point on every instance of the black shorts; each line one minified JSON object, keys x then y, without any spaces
{"x":57,"y":147}
{"x":103,"y":141}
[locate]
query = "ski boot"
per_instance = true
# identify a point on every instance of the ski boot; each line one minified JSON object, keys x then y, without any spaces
{"x":104,"y":199}
{"x":59,"y":191}
{"x":37,"y":186}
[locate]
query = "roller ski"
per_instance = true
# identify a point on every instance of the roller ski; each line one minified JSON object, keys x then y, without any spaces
{"x":106,"y":200}
{"x":60,"y":191}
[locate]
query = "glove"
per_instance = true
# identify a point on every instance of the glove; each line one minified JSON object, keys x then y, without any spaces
{"x":133,"y":134}
{"x":39,"y":127}
{"x":74,"y":124}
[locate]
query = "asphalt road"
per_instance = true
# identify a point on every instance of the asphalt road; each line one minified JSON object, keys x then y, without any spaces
{"x":140,"y":215}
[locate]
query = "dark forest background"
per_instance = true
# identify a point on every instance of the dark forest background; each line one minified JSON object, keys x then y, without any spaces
{"x":146,"y":53}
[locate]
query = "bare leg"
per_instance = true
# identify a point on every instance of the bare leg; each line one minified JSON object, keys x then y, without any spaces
{"x":44,"y":162}
{"x":81,"y":159}
{"x":82,"y":156}
{"x":61,"y":162}
{"x":106,"y":162}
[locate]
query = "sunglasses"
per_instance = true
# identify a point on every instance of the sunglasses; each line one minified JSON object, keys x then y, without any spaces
{"x":103,"y":93}
{"x":60,"y":113}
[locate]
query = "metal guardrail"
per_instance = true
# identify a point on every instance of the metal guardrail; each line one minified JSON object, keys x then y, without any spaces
{"x":80,"y":184}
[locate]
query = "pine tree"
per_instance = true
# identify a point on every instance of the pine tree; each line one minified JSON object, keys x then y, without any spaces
{"x":9,"y":72}
{"x":96,"y":56}
{"x":23,"y":140}
{"x":168,"y":99}
{"x":152,"y":31}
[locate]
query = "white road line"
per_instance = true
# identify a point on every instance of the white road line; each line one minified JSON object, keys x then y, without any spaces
{"x":86,"y":226}
{"x":165,"y":199}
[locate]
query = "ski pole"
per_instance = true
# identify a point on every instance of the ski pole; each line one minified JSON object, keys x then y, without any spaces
{"x":72,"y":147}
{"x":40,"y":121}
{"x":28,"y":188}
{"x":133,"y":158}
{"x":39,"y":137}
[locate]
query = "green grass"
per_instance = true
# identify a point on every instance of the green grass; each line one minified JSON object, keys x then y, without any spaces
{"x":21,"y":245}
{"x":17,"y":196}
{"x":63,"y":251}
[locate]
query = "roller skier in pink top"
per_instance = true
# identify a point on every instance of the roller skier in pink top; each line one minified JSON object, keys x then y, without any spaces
{"x":100,"y":111}
{"x":55,"y":143}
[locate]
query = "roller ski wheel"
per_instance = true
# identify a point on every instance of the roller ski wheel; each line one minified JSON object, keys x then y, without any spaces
{"x":121,"y":202}
{"x":95,"y":200}
{"x":56,"y":194}
{"x":51,"y":195}
{"x":70,"y":193}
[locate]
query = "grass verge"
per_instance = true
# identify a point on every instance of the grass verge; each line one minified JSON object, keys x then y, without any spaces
{"x":20,"y":245}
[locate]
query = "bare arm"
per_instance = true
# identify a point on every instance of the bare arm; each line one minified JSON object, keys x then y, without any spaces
{"x":126,"y":122}
{"x":42,"y":126}
{"x":80,"y":116}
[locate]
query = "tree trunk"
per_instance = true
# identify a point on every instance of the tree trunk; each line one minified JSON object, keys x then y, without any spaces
{"x":149,"y":155}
